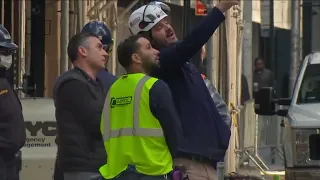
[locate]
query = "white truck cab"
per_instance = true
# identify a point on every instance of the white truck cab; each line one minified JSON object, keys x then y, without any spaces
{"x":301,"y":125}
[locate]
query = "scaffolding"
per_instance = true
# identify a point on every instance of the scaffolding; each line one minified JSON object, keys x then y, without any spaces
{"x":115,"y":18}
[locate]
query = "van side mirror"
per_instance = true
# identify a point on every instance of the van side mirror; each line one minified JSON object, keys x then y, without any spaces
{"x":264,"y":103}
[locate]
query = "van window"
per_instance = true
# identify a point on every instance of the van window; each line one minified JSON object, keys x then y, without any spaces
{"x":309,"y":91}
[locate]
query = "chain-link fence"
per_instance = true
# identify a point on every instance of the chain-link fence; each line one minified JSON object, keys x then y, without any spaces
{"x":260,"y":140}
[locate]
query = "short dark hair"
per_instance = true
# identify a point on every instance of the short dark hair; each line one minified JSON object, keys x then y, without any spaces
{"x":257,"y":59}
{"x":126,"y":48}
{"x":76,"y":41}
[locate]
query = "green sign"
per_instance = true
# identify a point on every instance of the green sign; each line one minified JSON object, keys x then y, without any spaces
{"x":121,"y":101}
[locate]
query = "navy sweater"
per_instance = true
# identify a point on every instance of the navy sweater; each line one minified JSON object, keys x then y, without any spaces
{"x":107,"y":79}
{"x":205,"y":133}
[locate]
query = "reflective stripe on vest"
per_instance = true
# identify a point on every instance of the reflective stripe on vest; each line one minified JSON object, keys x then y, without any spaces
{"x":136,"y":130}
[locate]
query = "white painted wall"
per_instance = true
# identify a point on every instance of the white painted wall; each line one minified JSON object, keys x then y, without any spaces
{"x":282,"y":13}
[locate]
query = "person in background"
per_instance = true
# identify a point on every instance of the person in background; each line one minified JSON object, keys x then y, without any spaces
{"x":13,"y":133}
{"x":79,"y":97}
{"x":206,"y":135}
{"x":262,"y":77}
{"x":139,"y":112}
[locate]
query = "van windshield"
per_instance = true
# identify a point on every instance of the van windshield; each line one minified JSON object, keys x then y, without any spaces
{"x":310,"y":88}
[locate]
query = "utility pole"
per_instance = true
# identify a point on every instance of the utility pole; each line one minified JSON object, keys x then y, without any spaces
{"x":247,"y":43}
{"x":114,"y":28}
{"x":271,"y":52}
{"x":295,"y":43}
{"x":64,"y":35}
{"x":22,"y":43}
{"x":210,"y":48}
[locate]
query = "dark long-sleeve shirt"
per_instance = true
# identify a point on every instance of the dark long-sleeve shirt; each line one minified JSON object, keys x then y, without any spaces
{"x":79,"y":100}
{"x":205,"y":133}
{"x":12,"y":129}
{"x":85,"y":109}
{"x":162,"y":107}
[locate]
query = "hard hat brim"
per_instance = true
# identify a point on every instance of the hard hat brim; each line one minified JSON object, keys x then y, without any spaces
{"x":10,"y":46}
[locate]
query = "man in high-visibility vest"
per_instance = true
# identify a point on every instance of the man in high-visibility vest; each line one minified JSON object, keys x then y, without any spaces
{"x":139,"y":123}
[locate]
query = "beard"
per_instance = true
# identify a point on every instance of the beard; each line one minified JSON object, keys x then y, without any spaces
{"x":149,"y":65}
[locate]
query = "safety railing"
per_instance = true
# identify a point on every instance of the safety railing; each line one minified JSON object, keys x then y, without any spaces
{"x":260,"y":141}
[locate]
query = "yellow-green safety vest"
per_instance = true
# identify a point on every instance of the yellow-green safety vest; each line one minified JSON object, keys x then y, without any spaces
{"x":131,"y":134}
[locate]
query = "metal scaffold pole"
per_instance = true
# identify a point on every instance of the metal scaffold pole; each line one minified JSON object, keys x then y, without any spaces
{"x":22,"y":43}
{"x":64,"y":35}
{"x":80,"y":21}
{"x":295,"y":43}
{"x":247,"y":43}
{"x":211,"y":60}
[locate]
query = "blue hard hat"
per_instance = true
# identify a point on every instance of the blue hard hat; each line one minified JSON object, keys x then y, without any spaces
{"x":100,"y":29}
{"x":5,"y":39}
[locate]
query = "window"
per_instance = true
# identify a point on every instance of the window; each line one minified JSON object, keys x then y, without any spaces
{"x":309,"y":91}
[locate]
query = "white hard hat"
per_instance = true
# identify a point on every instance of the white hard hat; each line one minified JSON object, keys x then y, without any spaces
{"x":162,"y":5}
{"x":144,"y":18}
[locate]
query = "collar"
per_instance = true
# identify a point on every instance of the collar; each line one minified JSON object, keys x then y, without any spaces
{"x":90,"y":79}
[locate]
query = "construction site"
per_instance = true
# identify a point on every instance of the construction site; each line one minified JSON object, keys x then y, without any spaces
{"x":279,"y":31}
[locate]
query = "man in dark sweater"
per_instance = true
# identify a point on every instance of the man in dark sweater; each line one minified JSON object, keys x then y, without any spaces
{"x":107,"y":79}
{"x":79,"y":98}
{"x":206,"y":135}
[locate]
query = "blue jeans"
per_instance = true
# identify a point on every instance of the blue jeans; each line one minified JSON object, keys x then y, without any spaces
{"x":128,"y":175}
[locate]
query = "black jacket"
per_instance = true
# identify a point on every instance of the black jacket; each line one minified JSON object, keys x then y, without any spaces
{"x":79,"y":101}
{"x":12,"y":129}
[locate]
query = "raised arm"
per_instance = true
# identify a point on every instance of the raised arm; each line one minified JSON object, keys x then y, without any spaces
{"x":176,"y":55}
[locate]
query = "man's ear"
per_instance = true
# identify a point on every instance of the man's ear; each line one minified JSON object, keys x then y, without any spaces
{"x":82,"y":51}
{"x":136,"y":58}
